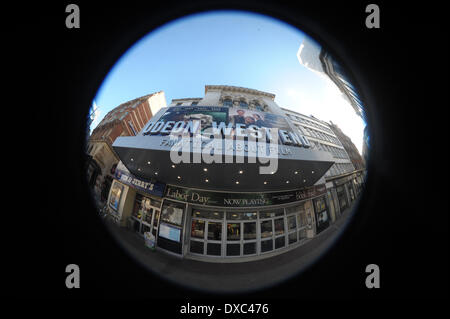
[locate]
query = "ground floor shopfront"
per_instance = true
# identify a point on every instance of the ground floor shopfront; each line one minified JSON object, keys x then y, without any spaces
{"x":344,"y":190}
{"x":225,"y":227}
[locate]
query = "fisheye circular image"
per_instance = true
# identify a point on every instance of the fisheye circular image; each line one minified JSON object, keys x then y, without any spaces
{"x":227,"y":151}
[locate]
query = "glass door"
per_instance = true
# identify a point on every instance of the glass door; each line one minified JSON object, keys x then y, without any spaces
{"x":214,"y":238}
{"x":234,"y":238}
{"x":156,"y":206}
{"x":206,"y":232}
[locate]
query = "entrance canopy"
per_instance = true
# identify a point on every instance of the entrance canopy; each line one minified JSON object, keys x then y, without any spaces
{"x":291,"y":167}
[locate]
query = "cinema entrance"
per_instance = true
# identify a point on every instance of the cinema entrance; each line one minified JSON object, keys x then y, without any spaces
{"x":251,"y":226}
{"x":246,"y":233}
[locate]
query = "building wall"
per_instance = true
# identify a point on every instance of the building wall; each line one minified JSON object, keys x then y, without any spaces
{"x":322,"y":137}
{"x":318,"y":132}
{"x":350,"y":148}
{"x":127,"y":119}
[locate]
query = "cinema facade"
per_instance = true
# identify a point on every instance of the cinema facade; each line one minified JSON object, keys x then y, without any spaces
{"x":225,"y":178}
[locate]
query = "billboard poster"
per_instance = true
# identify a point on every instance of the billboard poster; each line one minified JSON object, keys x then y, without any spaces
{"x":116,"y":193}
{"x":206,"y":114}
{"x":172,"y":213}
{"x":260,"y":119}
{"x":227,"y":122}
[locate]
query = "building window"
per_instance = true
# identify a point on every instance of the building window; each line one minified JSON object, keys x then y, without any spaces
{"x":194,"y":103}
{"x":179,"y":103}
{"x":258,"y":107}
{"x":132,"y":127}
{"x":243,"y":104}
{"x":228,"y":103}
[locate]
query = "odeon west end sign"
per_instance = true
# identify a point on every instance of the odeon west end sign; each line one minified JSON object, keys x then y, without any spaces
{"x":216,"y":135}
{"x":222,"y":135}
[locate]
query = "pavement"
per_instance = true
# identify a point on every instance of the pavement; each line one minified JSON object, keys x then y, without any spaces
{"x":231,"y":277}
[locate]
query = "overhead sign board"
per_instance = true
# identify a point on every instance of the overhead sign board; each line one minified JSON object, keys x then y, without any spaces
{"x":156,"y":188}
{"x":227,"y":199}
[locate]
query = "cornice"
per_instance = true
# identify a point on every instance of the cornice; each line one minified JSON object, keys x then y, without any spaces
{"x":238,"y":89}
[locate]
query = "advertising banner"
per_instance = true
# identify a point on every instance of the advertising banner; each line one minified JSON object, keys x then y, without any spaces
{"x":205,"y":114}
{"x":226,"y":122}
{"x":260,"y":119}
{"x":116,"y":194}
{"x":219,"y":199}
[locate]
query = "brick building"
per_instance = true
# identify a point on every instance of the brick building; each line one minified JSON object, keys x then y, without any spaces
{"x":349,"y":147}
{"x":127,"y":119}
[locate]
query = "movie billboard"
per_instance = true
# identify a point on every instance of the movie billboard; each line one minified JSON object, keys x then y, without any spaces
{"x":260,"y":119}
{"x":205,"y":114}
{"x":228,"y":122}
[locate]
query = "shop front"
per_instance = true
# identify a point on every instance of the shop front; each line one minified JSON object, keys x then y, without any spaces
{"x":228,"y":234}
{"x":237,"y":226}
{"x":342,"y":198}
{"x":322,"y":213}
{"x":145,"y":215}
{"x":135,"y":202}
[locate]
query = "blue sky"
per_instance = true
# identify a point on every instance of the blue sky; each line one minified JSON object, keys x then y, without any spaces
{"x":229,"y":48}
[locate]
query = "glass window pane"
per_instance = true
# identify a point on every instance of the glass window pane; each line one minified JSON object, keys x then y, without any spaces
{"x":249,"y":248}
{"x":155,"y":203}
{"x":233,"y":249}
{"x":172,"y":213}
{"x":148,"y":216}
{"x":214,"y":231}
{"x":279,"y":242}
{"x":139,"y":206}
{"x":266,"y":229}
{"x":279,"y":226}
{"x":241,"y":216}
{"x":198,"y":228}
{"x":302,"y":234}
{"x":196,"y":247}
{"x":136,"y":225}
{"x":213,"y":249}
{"x":210,"y":214}
{"x":292,"y":238}
{"x":233,"y":231}
{"x":320,"y":204}
{"x":292,"y":210}
{"x":227,"y":102}
{"x":145,"y":229}
{"x":301,"y":217}
{"x":266,"y":245}
{"x":249,"y":230}
{"x":271,"y":213}
{"x":291,"y":222}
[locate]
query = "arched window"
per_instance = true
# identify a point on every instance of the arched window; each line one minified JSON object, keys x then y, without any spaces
{"x":258,"y":107}
{"x":243,"y":104}
{"x":227,"y":102}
